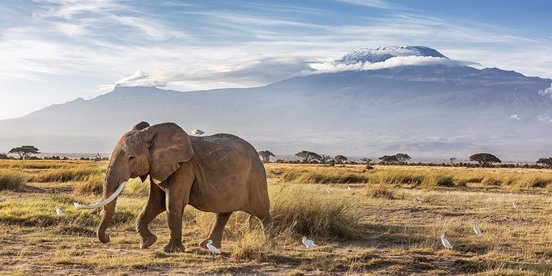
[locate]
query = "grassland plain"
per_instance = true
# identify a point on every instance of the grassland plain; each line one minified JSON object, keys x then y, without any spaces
{"x":365,"y":220}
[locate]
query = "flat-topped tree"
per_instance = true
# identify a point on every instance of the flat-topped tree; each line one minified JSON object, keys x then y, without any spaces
{"x":546,"y":162}
{"x":265,"y":155}
{"x":308,"y":156}
{"x":484,"y":159}
{"x":340,"y":159}
{"x":24,"y":152}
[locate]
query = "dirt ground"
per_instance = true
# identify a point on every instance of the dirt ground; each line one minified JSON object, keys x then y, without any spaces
{"x":400,"y":236}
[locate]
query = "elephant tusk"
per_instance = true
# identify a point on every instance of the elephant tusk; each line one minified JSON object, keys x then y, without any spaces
{"x":102,"y":202}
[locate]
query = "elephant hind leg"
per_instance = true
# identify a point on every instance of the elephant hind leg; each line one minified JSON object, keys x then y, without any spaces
{"x":217,"y":230}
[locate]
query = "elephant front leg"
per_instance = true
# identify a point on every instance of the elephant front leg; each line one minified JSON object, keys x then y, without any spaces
{"x":154,"y":207}
{"x":217,"y":230}
{"x":175,"y":211}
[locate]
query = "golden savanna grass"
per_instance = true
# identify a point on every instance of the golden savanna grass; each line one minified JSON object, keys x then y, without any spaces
{"x":365,"y":222}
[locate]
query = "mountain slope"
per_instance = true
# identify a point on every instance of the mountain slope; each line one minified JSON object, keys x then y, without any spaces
{"x":430,"y":111}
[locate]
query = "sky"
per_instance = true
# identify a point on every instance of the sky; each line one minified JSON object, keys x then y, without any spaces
{"x":52,"y":51}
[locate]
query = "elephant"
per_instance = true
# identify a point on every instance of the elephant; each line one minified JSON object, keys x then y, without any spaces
{"x":221,"y":173}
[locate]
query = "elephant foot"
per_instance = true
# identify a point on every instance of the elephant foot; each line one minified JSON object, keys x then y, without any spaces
{"x":217,"y":244}
{"x":173,"y":247}
{"x":148,"y":240}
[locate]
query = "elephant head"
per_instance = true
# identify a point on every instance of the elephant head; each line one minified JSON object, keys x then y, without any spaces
{"x":155,"y":150}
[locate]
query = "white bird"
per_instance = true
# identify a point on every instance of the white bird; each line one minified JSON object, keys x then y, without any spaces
{"x":328,"y":191}
{"x":445,"y":242}
{"x":308,"y":243}
{"x":2,"y":199}
{"x":212,"y":248}
{"x":59,"y":212}
{"x":477,"y":230}
{"x":198,"y":132}
{"x":515,"y":205}
{"x":349,"y":187}
{"x":491,"y":198}
{"x":417,"y":200}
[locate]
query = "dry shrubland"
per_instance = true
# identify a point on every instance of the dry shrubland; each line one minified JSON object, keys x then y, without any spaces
{"x":365,"y":221}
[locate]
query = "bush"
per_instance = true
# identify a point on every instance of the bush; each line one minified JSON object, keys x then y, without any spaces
{"x":380,"y":191}
{"x":11,"y":180}
{"x":93,"y":184}
{"x":444,"y":181}
{"x":136,"y":187}
{"x":251,"y":245}
{"x":489,"y":181}
{"x":313,"y":214}
{"x":67,"y":174}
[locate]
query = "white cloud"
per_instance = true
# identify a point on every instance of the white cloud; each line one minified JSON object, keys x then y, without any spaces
{"x":389,"y":63}
{"x":140,"y":78}
{"x":515,"y":117}
{"x":544,"y":118}
{"x":368,"y":3}
{"x":546,"y":91}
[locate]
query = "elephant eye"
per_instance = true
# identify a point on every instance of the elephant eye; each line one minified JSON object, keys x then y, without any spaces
{"x":130,"y":158}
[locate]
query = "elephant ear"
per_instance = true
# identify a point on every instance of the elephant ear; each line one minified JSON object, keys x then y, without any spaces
{"x":169,"y":146}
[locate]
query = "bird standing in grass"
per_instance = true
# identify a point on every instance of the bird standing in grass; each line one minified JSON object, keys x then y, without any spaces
{"x":59,"y":212}
{"x":212,"y":248}
{"x":477,"y":230}
{"x":417,"y":200}
{"x":308,"y":243}
{"x":515,"y":206}
{"x":445,"y":242}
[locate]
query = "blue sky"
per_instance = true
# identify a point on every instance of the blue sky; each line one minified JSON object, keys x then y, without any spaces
{"x":56,"y":51}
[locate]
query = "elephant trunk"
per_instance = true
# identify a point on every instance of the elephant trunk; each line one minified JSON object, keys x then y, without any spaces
{"x":111,"y":190}
{"x":109,"y":210}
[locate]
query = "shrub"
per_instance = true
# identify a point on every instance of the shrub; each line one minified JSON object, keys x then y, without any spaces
{"x":380,"y":191}
{"x":136,"y":187}
{"x":444,"y":181}
{"x":11,"y":180}
{"x":93,"y":184}
{"x":251,"y":245}
{"x":489,"y":181}
{"x":314,"y":214}
{"x":67,"y":174}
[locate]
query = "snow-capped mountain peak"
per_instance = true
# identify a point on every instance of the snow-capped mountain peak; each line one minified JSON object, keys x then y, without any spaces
{"x":381,"y":54}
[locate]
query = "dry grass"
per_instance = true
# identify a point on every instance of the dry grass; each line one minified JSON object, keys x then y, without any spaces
{"x":317,"y":213}
{"x":11,"y":180}
{"x":370,"y":228}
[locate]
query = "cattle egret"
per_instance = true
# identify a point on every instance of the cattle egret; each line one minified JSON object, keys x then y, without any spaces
{"x":212,"y":248}
{"x":491,"y":198}
{"x":477,"y":230}
{"x":59,"y":212}
{"x":2,"y":199}
{"x":308,"y":243}
{"x":417,"y":200}
{"x":348,"y":187}
{"x":198,"y":132}
{"x":515,"y":205}
{"x":445,"y":242}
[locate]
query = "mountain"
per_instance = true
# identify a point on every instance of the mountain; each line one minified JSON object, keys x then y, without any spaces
{"x":426,"y":109}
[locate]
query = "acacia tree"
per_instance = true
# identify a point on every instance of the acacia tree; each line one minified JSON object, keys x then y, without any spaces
{"x":308,"y":156}
{"x":366,"y":160}
{"x":265,"y":155}
{"x":340,"y":159}
{"x":452,"y":159}
{"x":484,"y":159}
{"x":402,"y":157}
{"x":3,"y":156}
{"x":547,"y":162}
{"x":386,"y":159}
{"x":24,"y":152}
{"x":325,"y":158}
